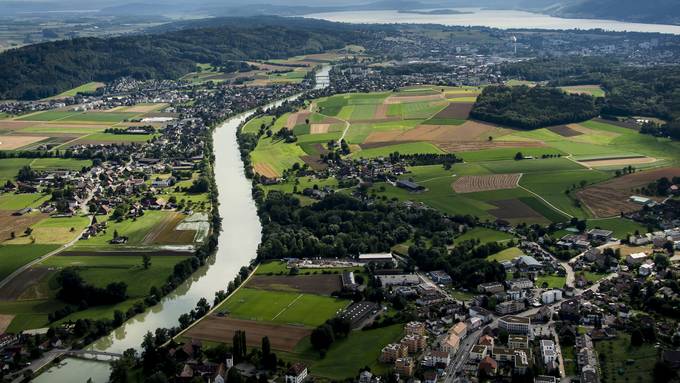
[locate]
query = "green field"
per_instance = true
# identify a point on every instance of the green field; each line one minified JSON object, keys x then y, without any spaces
{"x":13,"y":257}
{"x":505,"y":255}
{"x":282,"y":307}
{"x":109,"y":137}
{"x":9,"y":167}
{"x":20,"y":201}
{"x":406,"y":148}
{"x":96,"y":117}
{"x":553,"y":281}
{"x":135,"y":230}
{"x":484,"y":235}
{"x":59,"y":164}
{"x":90,"y":87}
{"x":620,"y":226}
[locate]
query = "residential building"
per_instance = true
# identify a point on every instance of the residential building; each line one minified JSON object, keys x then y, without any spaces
{"x":485,"y":315}
{"x":414,"y":328}
{"x":459,"y":329}
{"x":489,"y":366}
{"x":414,"y":343}
{"x":551,"y":296}
{"x":515,"y":325}
{"x":519,"y":284}
{"x":437,"y":358}
{"x":518,"y":341}
{"x":430,"y":377}
{"x":479,"y":352}
{"x":392,"y":352}
{"x":510,"y":307}
{"x":451,"y":343}
{"x":600,"y":235}
{"x":296,"y":373}
{"x":404,"y":366}
{"x":521,"y":360}
{"x":490,"y":288}
{"x":548,"y":352}
{"x":636,"y":258}
{"x":503,"y":354}
{"x":545,"y":379}
{"x":441,"y":277}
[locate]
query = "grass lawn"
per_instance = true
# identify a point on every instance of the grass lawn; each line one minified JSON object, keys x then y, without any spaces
{"x":484,"y":235}
{"x":9,"y":167}
{"x":253,"y":126}
{"x":90,"y":87}
{"x":135,"y":230}
{"x":277,"y":154}
{"x":13,"y":257}
{"x":620,"y":362}
{"x":273,"y":267}
{"x":282,"y":307}
{"x":20,"y":201}
{"x":553,"y":281}
{"x":506,"y":255}
{"x":102,"y":270}
{"x":361,"y":348}
{"x":620,"y":226}
{"x":29,"y":314}
{"x":593,"y":277}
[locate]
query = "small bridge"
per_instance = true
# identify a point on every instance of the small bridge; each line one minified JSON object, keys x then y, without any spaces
{"x":93,"y":355}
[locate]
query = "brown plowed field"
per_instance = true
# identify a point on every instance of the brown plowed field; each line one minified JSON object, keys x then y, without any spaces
{"x":381,"y":111}
{"x":222,"y":329}
{"x":313,"y":284}
{"x":265,"y":170}
{"x":296,"y":119}
{"x":456,"y":110}
{"x":23,"y":281}
{"x":610,"y":198}
{"x":16,"y":142}
{"x":9,"y":125}
{"x":514,"y":209}
{"x":319,"y":128}
{"x":469,"y":131}
{"x":473,"y":184}
{"x":165,"y":233}
{"x":314,"y":162}
{"x":10,"y":223}
{"x":564,"y":131}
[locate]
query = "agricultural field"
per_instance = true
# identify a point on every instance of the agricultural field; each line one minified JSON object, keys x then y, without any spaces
{"x":506,"y":255}
{"x":90,"y":87}
{"x":562,"y":173}
{"x":66,"y":127}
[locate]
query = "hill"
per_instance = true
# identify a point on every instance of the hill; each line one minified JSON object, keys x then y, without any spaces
{"x":43,"y":70}
{"x":651,"y":11}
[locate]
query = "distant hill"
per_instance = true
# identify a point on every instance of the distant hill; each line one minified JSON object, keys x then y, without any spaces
{"x":647,"y":11}
{"x":46,"y":69}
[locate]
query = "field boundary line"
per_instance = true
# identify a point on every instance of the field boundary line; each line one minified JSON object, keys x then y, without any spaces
{"x":545,"y":201}
{"x":287,"y":307}
{"x":212,"y":310}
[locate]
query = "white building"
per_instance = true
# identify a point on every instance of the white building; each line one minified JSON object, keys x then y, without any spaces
{"x":636,"y":258}
{"x":296,"y":373}
{"x":548,"y":352}
{"x":551,"y":296}
{"x":515,"y":325}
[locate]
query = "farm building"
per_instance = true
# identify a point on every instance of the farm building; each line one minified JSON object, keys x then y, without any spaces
{"x":348,"y":281}
{"x":410,"y":186}
{"x":529,"y":263}
{"x":642,"y":201}
{"x":600,"y":235}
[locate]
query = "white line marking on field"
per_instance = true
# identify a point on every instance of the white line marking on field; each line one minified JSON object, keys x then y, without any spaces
{"x":287,"y":307}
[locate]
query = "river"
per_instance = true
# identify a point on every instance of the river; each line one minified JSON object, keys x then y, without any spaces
{"x":241,"y":234}
{"x":503,"y":19}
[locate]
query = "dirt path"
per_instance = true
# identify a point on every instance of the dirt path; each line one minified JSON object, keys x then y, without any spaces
{"x":545,"y":201}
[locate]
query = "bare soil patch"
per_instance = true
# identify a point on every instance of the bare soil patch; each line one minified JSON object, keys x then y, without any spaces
{"x":16,"y":142}
{"x":222,"y":329}
{"x":5,"y":320}
{"x":9,"y":125}
{"x":513,"y":209}
{"x":618,"y":161}
{"x":459,"y":110}
{"x":296,"y":119}
{"x":564,"y":131}
{"x":265,"y":170}
{"x":381,"y":111}
{"x":319,"y":128}
{"x":11,"y":223}
{"x":610,"y":198}
{"x":22,"y":282}
{"x":472,"y":184}
{"x":314,"y":284}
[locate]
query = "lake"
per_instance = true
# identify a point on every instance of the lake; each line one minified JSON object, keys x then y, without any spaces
{"x":502,"y":19}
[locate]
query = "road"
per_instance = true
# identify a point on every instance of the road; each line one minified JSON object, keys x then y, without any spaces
{"x":461,"y":356}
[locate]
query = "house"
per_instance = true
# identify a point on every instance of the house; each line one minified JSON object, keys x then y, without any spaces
{"x":636,"y":258}
{"x":296,"y":373}
{"x":521,"y":362}
{"x":365,"y":377}
{"x":485,"y":315}
{"x":515,"y":325}
{"x":486,"y":340}
{"x":489,"y":366}
{"x":646,"y":270}
{"x":600,"y":235}
{"x":437,"y":358}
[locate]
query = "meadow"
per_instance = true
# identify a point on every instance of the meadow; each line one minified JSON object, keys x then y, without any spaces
{"x":13,"y":257}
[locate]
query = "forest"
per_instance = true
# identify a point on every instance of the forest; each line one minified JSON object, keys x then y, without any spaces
{"x":531,"y":108}
{"x":42,"y":70}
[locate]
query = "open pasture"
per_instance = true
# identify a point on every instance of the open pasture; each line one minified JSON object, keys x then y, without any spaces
{"x":9,"y":223}
{"x":89,"y":87}
{"x":45,"y":230}
{"x":472,"y":184}
{"x":13,"y":257}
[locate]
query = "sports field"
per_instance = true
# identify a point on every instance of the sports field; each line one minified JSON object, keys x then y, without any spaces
{"x":282,"y":307}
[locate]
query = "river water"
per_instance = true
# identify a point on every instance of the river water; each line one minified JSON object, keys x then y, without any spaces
{"x":503,"y":19}
{"x":241,"y":234}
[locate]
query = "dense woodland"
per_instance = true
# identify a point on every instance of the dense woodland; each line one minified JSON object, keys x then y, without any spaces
{"x":631,"y":91}
{"x":530,"y":108}
{"x":42,"y":70}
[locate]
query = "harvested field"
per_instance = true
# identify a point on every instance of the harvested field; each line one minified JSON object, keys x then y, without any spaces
{"x":145,"y":108}
{"x":459,"y":110}
{"x":265,"y":170}
{"x":165,"y":234}
{"x":10,"y":223}
{"x":472,"y":184}
{"x":400,"y":99}
{"x":296,"y":119}
{"x":610,"y":198}
{"x":314,"y":162}
{"x":9,"y":125}
{"x":22,"y":282}
{"x":381,"y":111}
{"x":319,"y":128}
{"x":16,"y":142}
{"x":514,"y":209}
{"x":323,"y":284}
{"x":222,"y":329}
{"x":618,"y":161}
{"x":468,"y":146}
{"x":5,"y":320}
{"x":564,"y":131}
{"x":469,"y":131}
